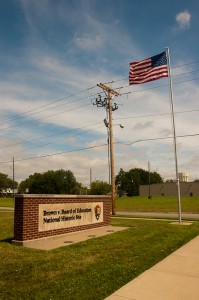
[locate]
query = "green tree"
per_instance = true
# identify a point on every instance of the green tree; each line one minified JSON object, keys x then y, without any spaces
{"x":23,"y":186}
{"x":100,"y":187}
{"x":6,"y":182}
{"x":129,"y":182}
{"x":51,"y":182}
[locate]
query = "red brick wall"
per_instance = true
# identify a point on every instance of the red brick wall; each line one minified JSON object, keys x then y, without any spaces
{"x":26,"y":217}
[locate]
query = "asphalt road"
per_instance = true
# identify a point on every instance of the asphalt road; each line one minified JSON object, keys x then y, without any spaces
{"x":6,"y":208}
{"x":158,"y":215}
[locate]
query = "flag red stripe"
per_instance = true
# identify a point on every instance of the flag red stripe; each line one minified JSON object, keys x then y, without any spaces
{"x":148,"y":69}
{"x":149,"y":73}
{"x":151,"y":78}
{"x":152,"y":75}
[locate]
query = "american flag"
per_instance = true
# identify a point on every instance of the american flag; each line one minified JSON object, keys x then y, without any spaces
{"x":148,"y":69}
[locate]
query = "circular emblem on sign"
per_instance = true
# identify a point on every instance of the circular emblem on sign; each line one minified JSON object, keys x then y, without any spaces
{"x":97,"y":212}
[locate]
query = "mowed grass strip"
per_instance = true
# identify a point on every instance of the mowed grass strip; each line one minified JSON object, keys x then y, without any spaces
{"x":157,"y":204}
{"x":143,"y":204}
{"x":6,"y":202}
{"x":88,"y":270}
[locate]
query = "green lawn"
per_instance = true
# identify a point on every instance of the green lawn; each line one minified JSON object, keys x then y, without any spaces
{"x":6,"y":202}
{"x":157,"y":204}
{"x":143,"y":204}
{"x":88,"y":270}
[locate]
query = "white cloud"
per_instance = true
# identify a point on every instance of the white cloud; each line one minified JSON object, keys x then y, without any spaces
{"x":141,"y":126}
{"x":143,"y":103}
{"x":89,"y":42}
{"x":35,"y":10}
{"x":183,"y":19}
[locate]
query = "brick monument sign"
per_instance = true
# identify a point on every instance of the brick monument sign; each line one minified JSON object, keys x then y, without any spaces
{"x":41,"y":216}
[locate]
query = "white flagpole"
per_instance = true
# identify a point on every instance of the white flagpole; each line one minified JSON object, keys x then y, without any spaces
{"x":174,"y":133}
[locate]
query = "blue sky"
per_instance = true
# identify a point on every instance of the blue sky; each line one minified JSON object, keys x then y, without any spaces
{"x":52,"y":56}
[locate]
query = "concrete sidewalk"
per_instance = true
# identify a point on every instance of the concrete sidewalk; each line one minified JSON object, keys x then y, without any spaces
{"x":174,"y":278}
{"x":159,"y":215}
{"x":57,"y":241}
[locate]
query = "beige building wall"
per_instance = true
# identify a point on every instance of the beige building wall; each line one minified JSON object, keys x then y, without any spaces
{"x":187,"y":189}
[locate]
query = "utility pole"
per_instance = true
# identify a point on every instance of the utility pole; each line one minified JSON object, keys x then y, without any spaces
{"x":149,"y":196}
{"x":110,"y":107}
{"x":106,"y":123}
{"x":13,"y":175}
{"x":90,"y":177}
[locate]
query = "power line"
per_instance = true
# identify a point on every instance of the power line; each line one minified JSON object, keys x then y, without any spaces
{"x":163,"y":85}
{"x":158,"y":138}
{"x":42,"y":118}
{"x":101,"y":145}
{"x":134,"y":117}
{"x":175,"y":67}
{"x":125,"y":93}
{"x":157,"y":115}
{"x":152,"y":115}
{"x":85,"y":105}
{"x":118,"y":88}
{"x":55,"y":101}
{"x":51,"y":135}
{"x":49,"y":143}
{"x":68,"y":131}
{"x":190,"y":63}
{"x":32,"y":111}
{"x":54,"y":154}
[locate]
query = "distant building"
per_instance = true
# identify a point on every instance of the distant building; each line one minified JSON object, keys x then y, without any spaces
{"x":184,"y":177}
{"x":187,"y":189}
{"x":8,"y":191}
